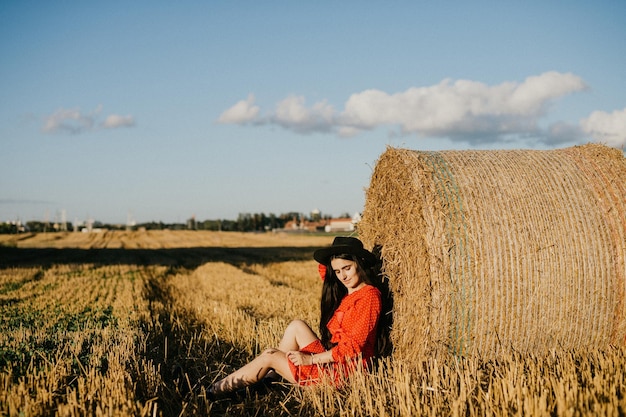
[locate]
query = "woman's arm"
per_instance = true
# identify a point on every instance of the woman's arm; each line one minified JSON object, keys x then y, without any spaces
{"x":324,"y":357}
{"x":303,"y":358}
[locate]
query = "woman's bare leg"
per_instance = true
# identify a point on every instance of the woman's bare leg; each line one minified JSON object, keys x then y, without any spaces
{"x":297,"y":335}
{"x":254,"y":371}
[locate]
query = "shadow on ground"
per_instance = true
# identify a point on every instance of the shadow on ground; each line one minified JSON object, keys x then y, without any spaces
{"x":190,"y":258}
{"x":189,"y":363}
{"x":172,"y":336}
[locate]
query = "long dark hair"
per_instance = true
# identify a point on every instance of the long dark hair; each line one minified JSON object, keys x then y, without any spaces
{"x":333,"y":292}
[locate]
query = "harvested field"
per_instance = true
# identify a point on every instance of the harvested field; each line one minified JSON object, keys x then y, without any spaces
{"x":92,"y":325}
{"x":489,"y":251}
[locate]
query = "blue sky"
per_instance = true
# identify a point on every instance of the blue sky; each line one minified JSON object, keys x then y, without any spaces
{"x":164,"y":110}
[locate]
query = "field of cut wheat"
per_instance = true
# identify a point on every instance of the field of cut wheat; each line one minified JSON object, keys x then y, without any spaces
{"x":96,"y":324}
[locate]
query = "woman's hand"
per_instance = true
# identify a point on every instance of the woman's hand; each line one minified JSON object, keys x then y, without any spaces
{"x":300,"y":358}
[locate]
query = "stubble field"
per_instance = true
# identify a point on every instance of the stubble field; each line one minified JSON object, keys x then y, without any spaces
{"x":95,"y":324}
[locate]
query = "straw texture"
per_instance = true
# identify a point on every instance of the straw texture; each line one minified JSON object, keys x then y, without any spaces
{"x":492,"y":250}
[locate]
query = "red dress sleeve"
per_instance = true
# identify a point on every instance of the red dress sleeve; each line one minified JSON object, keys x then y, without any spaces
{"x":353,"y":327}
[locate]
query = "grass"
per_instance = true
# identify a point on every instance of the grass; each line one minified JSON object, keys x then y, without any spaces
{"x":95,"y":328}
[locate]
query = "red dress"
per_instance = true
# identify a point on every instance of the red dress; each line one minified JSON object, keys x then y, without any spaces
{"x":353,"y":329}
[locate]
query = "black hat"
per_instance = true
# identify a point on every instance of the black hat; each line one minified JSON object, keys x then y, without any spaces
{"x":345,"y":245}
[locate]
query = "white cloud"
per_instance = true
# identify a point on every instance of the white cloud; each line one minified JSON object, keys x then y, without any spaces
{"x":535,"y":92}
{"x":292,"y":113}
{"x":461,"y":110}
{"x":74,"y":121}
{"x":114,"y":121}
{"x":608,"y":128}
{"x":461,"y":107}
{"x":241,"y":113}
{"x":69,"y":121}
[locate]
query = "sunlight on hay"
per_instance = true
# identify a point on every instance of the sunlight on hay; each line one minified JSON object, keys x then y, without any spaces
{"x":492,"y":250}
{"x":250,"y":310}
{"x":102,"y":338}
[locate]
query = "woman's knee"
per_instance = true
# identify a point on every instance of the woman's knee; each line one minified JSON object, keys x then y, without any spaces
{"x":301,"y":333}
{"x":298,"y":325}
{"x":271,"y":356}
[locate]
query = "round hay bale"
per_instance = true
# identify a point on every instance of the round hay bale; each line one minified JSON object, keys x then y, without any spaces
{"x":488,"y":251}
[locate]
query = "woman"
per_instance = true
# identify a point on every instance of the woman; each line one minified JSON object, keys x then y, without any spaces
{"x":350,"y":312}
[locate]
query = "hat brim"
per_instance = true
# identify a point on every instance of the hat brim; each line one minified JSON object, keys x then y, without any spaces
{"x":323,"y":255}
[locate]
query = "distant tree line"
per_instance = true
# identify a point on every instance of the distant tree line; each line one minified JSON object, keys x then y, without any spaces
{"x":245,"y":222}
